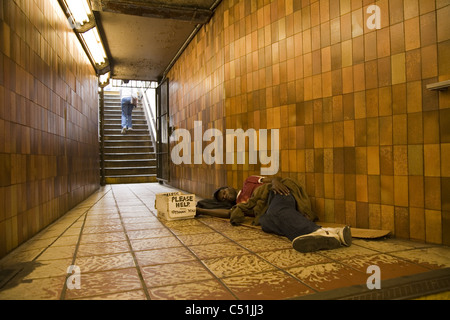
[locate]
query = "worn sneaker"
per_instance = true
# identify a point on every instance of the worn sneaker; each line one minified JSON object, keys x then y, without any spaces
{"x":124,"y":130}
{"x":317,"y":240}
{"x":344,"y":234}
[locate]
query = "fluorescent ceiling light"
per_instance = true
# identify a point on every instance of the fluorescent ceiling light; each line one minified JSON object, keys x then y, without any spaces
{"x":103,"y":79}
{"x":79,"y":10}
{"x":94,"y":45}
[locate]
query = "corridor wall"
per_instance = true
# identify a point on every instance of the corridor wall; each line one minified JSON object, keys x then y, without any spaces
{"x":49,"y":151}
{"x":358,"y":127}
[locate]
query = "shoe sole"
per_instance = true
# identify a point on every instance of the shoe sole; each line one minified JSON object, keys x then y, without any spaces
{"x":347,"y":233}
{"x":307,"y":244}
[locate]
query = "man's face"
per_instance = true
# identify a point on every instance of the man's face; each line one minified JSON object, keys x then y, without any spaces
{"x":227,"y":194}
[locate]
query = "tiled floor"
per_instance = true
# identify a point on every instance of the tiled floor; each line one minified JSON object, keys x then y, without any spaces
{"x":124,"y":251}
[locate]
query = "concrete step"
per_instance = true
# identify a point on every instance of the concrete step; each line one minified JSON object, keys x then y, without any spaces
{"x":127,"y":136}
{"x":128,"y":143}
{"x":135,"y":163}
{"x":129,"y":156}
{"x":125,"y":149}
{"x":121,"y":171}
{"x":131,"y":179}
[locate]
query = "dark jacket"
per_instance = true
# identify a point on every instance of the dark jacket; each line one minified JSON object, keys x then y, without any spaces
{"x":257,"y":205}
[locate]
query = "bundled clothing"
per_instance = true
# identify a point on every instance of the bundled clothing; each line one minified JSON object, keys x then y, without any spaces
{"x":258,"y":204}
{"x":287,"y":215}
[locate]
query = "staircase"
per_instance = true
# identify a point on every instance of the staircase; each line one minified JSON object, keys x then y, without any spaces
{"x":130,"y":157}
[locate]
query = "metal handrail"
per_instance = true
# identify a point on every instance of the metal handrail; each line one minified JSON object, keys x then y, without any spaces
{"x":151,"y":119}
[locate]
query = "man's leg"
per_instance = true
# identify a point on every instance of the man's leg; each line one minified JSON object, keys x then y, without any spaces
{"x":129,"y":118}
{"x":124,"y":118}
{"x":282,"y":218}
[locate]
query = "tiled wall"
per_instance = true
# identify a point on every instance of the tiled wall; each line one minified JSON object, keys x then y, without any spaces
{"x":48,"y":120}
{"x":357,"y":125}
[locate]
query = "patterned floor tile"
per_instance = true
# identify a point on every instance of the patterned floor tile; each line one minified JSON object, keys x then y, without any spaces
{"x":266,"y":244}
{"x":106,"y":221}
{"x":347,"y":252}
{"x":390,"y":266}
{"x":149,"y":219}
{"x":291,"y":258}
{"x":388,"y":245}
{"x":38,"y":289}
{"x":108,"y":282}
{"x":244,"y":233}
{"x":66,"y":241}
{"x":203,"y":290}
{"x":432,"y":258}
{"x":217,"y":250}
{"x":174,"y":273}
{"x":274,"y":285}
{"x":160,"y":256}
{"x":102,"y":237}
{"x":128,"y":295}
{"x":105,"y":262}
{"x":48,"y":269}
{"x":154,"y":243}
{"x":237,"y":265}
{"x":143,"y":226}
{"x":148,"y":234}
{"x":328,"y":276}
{"x":55,"y":253}
{"x":103,"y":229}
{"x":93,"y":249}
{"x":188,"y":230}
{"x":202,"y":238}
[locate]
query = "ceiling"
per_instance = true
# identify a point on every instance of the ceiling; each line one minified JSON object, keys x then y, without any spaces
{"x":144,"y":37}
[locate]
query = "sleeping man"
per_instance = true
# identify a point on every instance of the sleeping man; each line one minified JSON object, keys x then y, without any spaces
{"x":279,"y":206}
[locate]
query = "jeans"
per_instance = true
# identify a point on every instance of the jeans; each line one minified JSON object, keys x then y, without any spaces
{"x":282,"y":218}
{"x":127,"y":110}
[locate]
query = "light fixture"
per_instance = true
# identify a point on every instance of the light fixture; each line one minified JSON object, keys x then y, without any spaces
{"x":94,"y":46}
{"x":80,"y":14}
{"x":103,"y":80}
{"x":439,"y":86}
{"x":82,"y":20}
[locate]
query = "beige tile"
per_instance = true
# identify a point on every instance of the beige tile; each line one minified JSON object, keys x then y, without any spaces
{"x":38,"y":289}
{"x":433,"y":258}
{"x":128,"y":295}
{"x":266,"y":244}
{"x":92,"y":249}
{"x":328,"y":276}
{"x":105,"y":262}
{"x":160,"y":256}
{"x":154,"y":243}
{"x":291,"y":258}
{"x":390,"y":267}
{"x":216,"y":250}
{"x":201,"y":290}
{"x":273,"y":285}
{"x":203,"y":238}
{"x":237,"y":265}
{"x":108,"y":282}
{"x":174,"y":273}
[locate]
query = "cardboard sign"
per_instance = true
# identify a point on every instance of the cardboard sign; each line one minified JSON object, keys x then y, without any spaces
{"x":175,"y":205}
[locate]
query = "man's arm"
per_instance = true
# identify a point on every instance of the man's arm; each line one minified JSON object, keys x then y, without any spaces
{"x":277,"y":185}
{"x":219,"y":213}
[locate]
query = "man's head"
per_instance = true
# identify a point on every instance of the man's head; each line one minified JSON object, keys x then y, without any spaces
{"x":135,"y":99}
{"x":225,"y":194}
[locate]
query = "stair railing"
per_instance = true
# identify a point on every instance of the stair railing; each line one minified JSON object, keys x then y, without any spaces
{"x":149,"y":114}
{"x":102,"y":136}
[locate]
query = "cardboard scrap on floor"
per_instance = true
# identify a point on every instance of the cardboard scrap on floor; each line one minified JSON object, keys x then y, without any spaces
{"x":356,"y":232}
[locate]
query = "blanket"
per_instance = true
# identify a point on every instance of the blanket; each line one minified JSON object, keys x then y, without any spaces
{"x":257,"y":205}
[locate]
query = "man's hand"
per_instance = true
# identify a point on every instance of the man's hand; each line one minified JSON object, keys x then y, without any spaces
{"x":277,"y":185}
